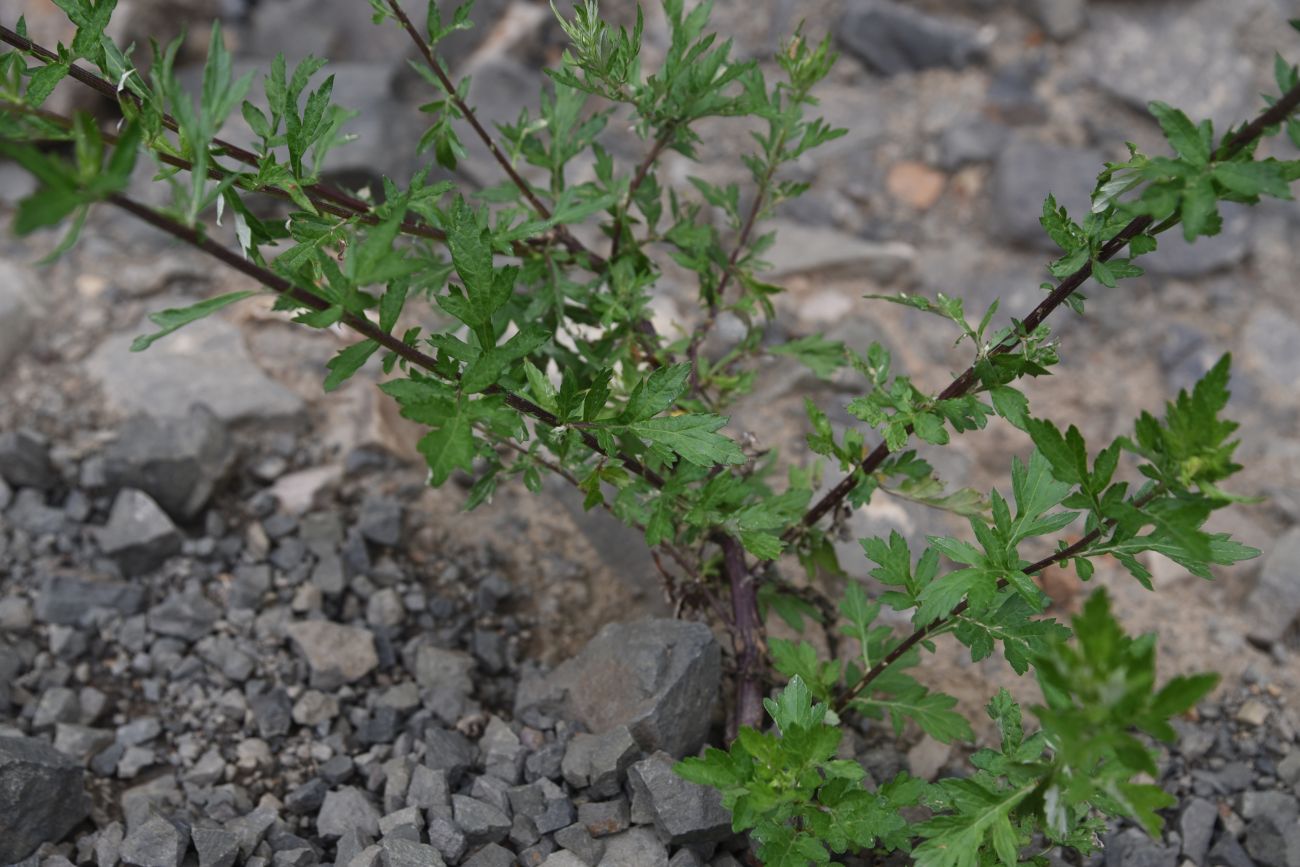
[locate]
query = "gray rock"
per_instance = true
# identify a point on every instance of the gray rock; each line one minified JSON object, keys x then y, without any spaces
{"x":1207,"y":77}
{"x":1026,"y":171}
{"x":891,"y":38}
{"x":15,"y":614}
{"x":685,"y":858}
{"x":307,"y":798}
{"x":1175,"y":257}
{"x":480,"y":821}
{"x":428,"y":789}
{"x":336,"y":653}
{"x":18,"y":310}
{"x":384,"y":609}
{"x":348,"y":809}
{"x":1196,"y":826}
{"x":1227,"y":852}
{"x":108,"y":845}
{"x":349,"y":846}
{"x":503,"y":754}
{"x":138,"y":536}
{"x":657,"y":677}
{"x":578,"y":840}
{"x":177,"y":461}
{"x":1274,"y":604}
{"x":273,"y":713}
{"x":173,"y":373}
{"x":438,"y":668}
{"x":446,"y":837}
{"x":970,"y":139}
{"x":80,"y":742}
{"x":155,"y":842}
{"x":491,"y":855}
{"x":1270,"y":833}
{"x":25,"y":455}
{"x":58,"y":704}
{"x":30,"y":514}
{"x":42,"y":796}
{"x":603,"y":818}
{"x":1270,"y":338}
{"x":380,"y":520}
{"x":400,"y":852}
{"x":448,"y":751}
{"x":598,"y":762}
{"x":1060,"y":19}
{"x":216,"y":846}
{"x":184,"y":615}
{"x":801,"y":249}
{"x":1133,"y":848}
{"x":543,"y":802}
{"x":564,"y":858}
{"x":66,"y":599}
{"x":683,"y":812}
{"x":405,"y":823}
{"x":636,"y":847}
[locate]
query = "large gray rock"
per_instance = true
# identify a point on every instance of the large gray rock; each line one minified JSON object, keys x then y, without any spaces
{"x":891,"y":38}
{"x":177,"y":461}
{"x":66,"y":599}
{"x":334,"y":651}
{"x":206,"y":361}
{"x":138,"y":536}
{"x":348,"y":809}
{"x":184,"y":615}
{"x":1127,"y":54}
{"x":635,"y":847}
{"x":42,"y":796}
{"x":1274,"y":604}
{"x":803,"y":249}
{"x":1025,"y":173}
{"x":1270,"y":340}
{"x":17,"y":310}
{"x":659,"y":678}
{"x":684,"y":813}
{"x":1175,"y":257}
{"x":25,"y":460}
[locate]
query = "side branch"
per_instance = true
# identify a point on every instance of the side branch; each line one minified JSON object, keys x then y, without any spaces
{"x":1280,"y":111}
{"x":359,"y":324}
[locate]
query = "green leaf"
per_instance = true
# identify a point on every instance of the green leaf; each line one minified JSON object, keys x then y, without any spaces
{"x":1253,"y":179}
{"x":823,"y":357}
{"x":692,"y":436}
{"x":1200,"y":210}
{"x":657,"y":392}
{"x":1182,"y":134}
{"x":765,"y":546}
{"x":450,"y":446}
{"x":177,"y":317}
{"x":348,"y":362}
{"x":1011,"y":404}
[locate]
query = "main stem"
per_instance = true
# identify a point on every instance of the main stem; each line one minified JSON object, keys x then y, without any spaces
{"x":745,"y":636}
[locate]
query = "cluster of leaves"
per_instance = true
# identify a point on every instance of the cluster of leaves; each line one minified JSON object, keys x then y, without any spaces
{"x":525,"y":351}
{"x":802,"y":805}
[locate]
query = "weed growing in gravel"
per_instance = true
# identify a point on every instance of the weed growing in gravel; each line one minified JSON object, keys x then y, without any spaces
{"x":553,"y":366}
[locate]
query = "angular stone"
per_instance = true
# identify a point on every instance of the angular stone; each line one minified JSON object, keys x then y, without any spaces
{"x":636,"y":847}
{"x":448,"y":751}
{"x":891,"y":38}
{"x":177,"y":461}
{"x":603,"y":818}
{"x":184,"y":615}
{"x":138,"y":536}
{"x":273,"y":713}
{"x":447,"y":838}
{"x":1060,"y":19}
{"x":684,"y":812}
{"x":479,"y":821}
{"x":380,"y":520}
{"x":1176,"y":257}
{"x":42,"y":796}
{"x":428,"y":789}
{"x":438,"y":668}
{"x":1196,"y":826}
{"x":578,"y":840}
{"x":348,"y":809}
{"x":25,"y":458}
{"x":400,"y":852}
{"x":155,"y":842}
{"x":217,"y":847}
{"x":335,"y":651}
{"x":174,"y":372}
{"x":491,"y":855}
{"x":598,"y":762}
{"x":659,"y":678}
{"x":1274,"y":604}
{"x":79,"y":742}
{"x":66,"y":599}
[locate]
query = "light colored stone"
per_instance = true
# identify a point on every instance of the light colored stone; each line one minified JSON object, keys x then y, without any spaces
{"x":205,"y":361}
{"x":915,"y":184}
{"x":334,"y":649}
{"x":17,"y":310}
{"x":803,"y":249}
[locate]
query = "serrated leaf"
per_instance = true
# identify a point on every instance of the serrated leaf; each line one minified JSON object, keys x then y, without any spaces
{"x":1182,"y":134}
{"x":347,"y":362}
{"x":692,"y":436}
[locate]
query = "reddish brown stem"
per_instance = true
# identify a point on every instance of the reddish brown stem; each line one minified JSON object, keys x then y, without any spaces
{"x":746,"y":636}
{"x":637,"y":179}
